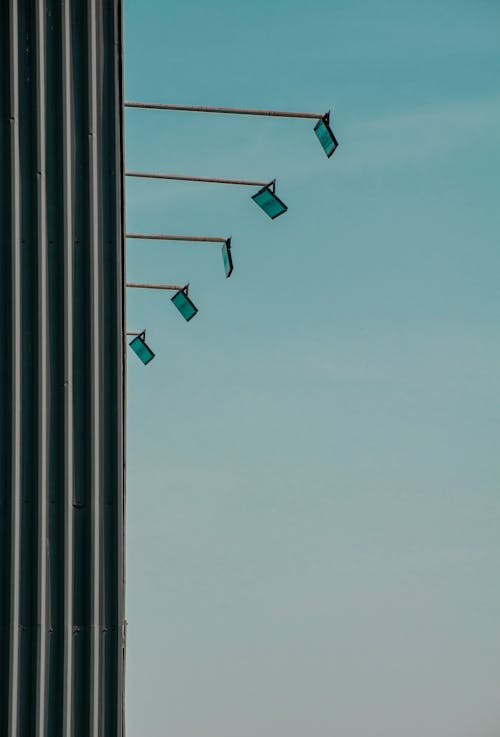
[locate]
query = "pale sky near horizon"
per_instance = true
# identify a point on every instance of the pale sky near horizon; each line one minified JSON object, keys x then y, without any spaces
{"x":313,"y":505}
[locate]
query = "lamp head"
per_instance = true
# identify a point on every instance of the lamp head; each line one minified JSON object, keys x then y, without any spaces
{"x":181,"y":300}
{"x":325,"y":135}
{"x":267,"y":199}
{"x":227,"y":258}
{"x":141,"y":348}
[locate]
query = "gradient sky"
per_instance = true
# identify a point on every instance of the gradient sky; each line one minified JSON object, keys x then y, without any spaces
{"x":314,"y":460}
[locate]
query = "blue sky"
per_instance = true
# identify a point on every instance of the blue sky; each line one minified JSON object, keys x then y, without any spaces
{"x":314,"y":460}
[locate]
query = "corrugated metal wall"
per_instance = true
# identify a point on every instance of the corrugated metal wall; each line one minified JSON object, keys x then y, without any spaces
{"x":61,"y":369}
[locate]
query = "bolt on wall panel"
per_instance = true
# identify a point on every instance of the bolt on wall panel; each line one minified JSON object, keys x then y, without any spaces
{"x":62,"y":627}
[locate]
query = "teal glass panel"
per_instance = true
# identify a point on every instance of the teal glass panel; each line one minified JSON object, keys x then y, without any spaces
{"x":184,"y":305}
{"x":325,"y":136}
{"x":227,"y":259}
{"x":141,"y":348}
{"x":269,"y":202}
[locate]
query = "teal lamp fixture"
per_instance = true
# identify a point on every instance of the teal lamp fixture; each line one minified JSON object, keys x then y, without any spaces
{"x":325,"y":135}
{"x":266,"y":197}
{"x":268,"y":200}
{"x":140,"y":347}
{"x":226,"y":248}
{"x":322,"y":128}
{"x":227,"y":259}
{"x":185,"y":306}
{"x":180,"y":299}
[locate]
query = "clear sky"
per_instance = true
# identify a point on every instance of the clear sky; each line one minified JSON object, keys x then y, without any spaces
{"x":314,"y":460}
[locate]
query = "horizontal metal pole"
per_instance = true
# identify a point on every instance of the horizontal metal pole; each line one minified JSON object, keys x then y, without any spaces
{"x":135,"y":332}
{"x":226,"y":110}
{"x":184,"y":178}
{"x":184,"y":238}
{"x":169,"y":287}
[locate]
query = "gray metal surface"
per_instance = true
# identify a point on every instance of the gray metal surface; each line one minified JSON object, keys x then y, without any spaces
{"x":210,"y":180}
{"x":181,"y":238}
{"x":223,"y":110}
{"x":62,"y":627}
{"x":166,"y":287}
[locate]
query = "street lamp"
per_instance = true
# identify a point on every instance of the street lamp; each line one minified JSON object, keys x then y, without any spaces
{"x":180,"y":299}
{"x":226,"y":248}
{"x":266,"y":198}
{"x":140,"y":347}
{"x":322,"y":128}
{"x":325,"y":135}
{"x":227,"y":259}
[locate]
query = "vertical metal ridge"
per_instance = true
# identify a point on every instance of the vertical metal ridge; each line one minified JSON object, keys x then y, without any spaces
{"x":15,"y":560}
{"x":5,"y":365}
{"x":95,"y":380}
{"x":112,"y":397}
{"x":81,"y":606}
{"x":42,"y":361}
{"x":67,"y":141}
{"x":121,"y":368}
{"x":68,"y":379}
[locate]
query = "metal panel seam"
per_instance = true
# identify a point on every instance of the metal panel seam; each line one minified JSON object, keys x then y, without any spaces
{"x":122,"y":363}
{"x":43,"y":321}
{"x":67,"y":719}
{"x":95,"y":379}
{"x":15,"y":583}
